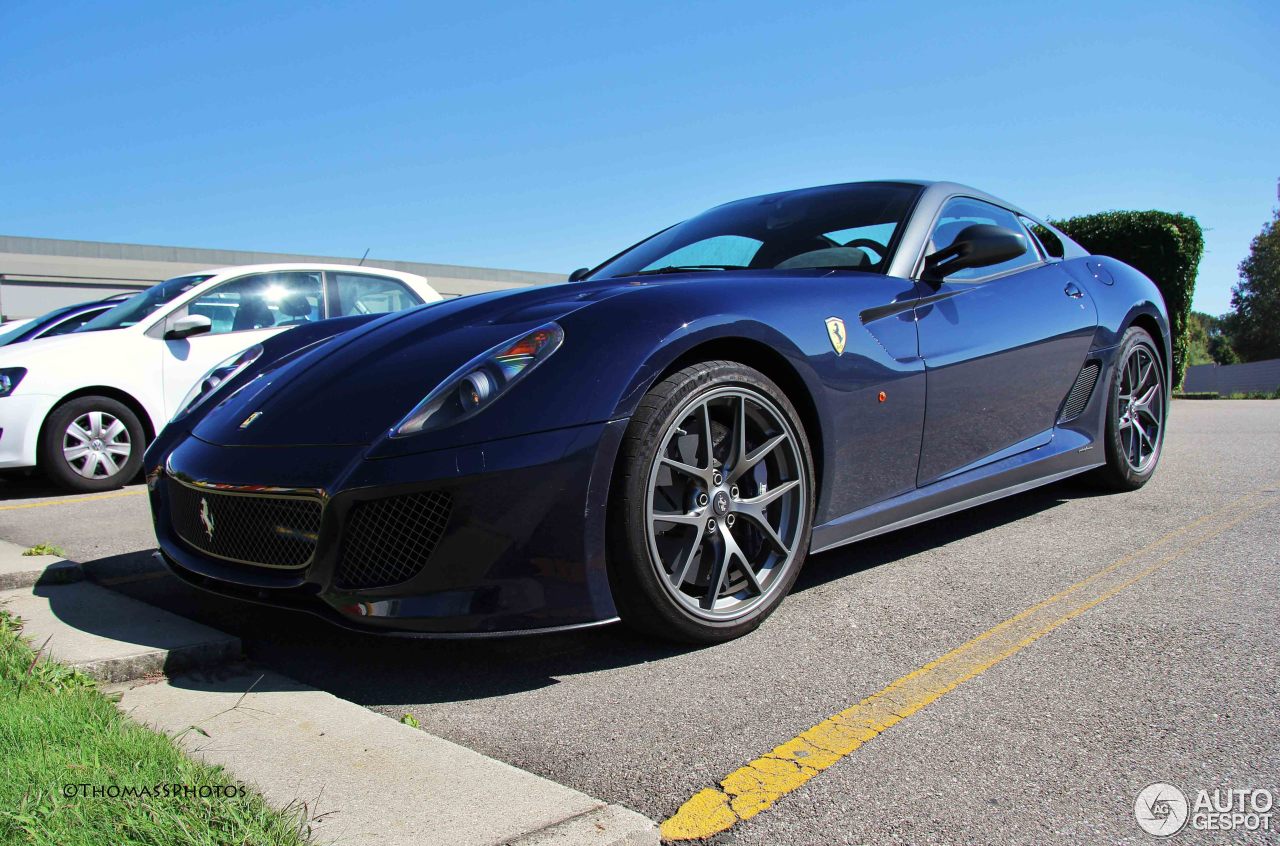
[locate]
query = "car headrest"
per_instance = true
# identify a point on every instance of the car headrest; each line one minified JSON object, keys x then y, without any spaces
{"x":295,"y":304}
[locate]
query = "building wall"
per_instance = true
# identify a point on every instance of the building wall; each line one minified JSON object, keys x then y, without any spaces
{"x":39,"y":274}
{"x":1233,"y":378}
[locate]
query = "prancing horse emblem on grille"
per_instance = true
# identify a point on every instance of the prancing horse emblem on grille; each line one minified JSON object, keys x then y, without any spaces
{"x":206,"y":517}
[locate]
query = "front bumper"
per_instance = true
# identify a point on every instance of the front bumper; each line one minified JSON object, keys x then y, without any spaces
{"x":21,"y":417}
{"x":521,"y":549}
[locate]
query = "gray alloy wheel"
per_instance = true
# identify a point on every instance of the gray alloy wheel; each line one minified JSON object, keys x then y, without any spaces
{"x":1137,"y":406}
{"x":96,"y":445}
{"x":726,"y":503}
{"x":1141,"y":408}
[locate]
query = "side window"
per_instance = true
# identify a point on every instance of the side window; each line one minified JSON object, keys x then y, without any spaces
{"x":961,"y":212}
{"x":1050,"y":243}
{"x":261,"y":301}
{"x":360,"y":293}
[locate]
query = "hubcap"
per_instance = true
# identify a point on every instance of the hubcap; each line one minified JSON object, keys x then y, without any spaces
{"x":96,"y":445}
{"x":726,"y":503}
{"x":1140,"y":408}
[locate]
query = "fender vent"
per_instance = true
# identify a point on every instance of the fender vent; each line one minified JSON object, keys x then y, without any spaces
{"x":389,"y":540}
{"x":1080,"y":392}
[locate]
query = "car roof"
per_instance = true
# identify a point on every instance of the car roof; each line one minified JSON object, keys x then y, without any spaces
{"x":277,"y":267}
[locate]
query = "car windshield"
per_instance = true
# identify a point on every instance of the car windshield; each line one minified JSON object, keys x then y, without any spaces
{"x":839,"y":227}
{"x":142,"y":304}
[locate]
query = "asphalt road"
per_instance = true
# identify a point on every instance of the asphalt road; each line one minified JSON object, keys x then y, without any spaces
{"x":1169,"y":677}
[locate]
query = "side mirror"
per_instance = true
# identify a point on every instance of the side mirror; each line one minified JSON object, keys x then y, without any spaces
{"x":185,"y":327}
{"x":979,"y":245}
{"x":580,"y":273}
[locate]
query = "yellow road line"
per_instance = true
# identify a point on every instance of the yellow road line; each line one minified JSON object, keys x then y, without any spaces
{"x":751,"y":789}
{"x":94,"y":498}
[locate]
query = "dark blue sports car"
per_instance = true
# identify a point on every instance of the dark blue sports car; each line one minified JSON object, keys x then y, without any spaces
{"x":665,"y":438}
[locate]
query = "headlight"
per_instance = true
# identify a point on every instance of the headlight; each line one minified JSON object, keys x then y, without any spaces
{"x":217,"y":376}
{"x":477,"y":384}
{"x":9,"y":379}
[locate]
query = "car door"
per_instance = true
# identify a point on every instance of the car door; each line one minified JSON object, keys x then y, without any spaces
{"x":1001,"y":345}
{"x":242,"y":311}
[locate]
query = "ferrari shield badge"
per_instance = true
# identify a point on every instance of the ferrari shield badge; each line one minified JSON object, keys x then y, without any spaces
{"x":835,"y":331}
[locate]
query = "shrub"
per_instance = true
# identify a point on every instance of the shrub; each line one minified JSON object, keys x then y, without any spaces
{"x":1163,"y":245}
{"x":1195,"y":395}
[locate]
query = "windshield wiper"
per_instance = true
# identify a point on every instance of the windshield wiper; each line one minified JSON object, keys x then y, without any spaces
{"x":687,"y":268}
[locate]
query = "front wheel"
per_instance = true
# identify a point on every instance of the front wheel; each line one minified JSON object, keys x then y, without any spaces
{"x":1137,"y":404}
{"x":91,"y":444}
{"x":712,"y":505}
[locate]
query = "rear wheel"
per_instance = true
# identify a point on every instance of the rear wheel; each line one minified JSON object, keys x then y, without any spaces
{"x":1137,"y":403}
{"x":712,"y":508}
{"x":91,"y":444}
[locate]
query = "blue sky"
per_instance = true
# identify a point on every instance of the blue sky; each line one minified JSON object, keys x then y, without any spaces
{"x":544,"y":136}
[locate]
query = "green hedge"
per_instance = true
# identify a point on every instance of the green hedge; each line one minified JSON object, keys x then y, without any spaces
{"x":1163,"y":245}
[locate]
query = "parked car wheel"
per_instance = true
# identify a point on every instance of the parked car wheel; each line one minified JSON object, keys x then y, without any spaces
{"x":712,"y":506}
{"x":1137,"y":404}
{"x":92,"y":444}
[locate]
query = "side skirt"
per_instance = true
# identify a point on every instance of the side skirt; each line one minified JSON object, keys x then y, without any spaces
{"x":1068,"y":454}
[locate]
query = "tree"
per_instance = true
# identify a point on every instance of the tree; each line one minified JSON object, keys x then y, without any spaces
{"x":1207,"y":342}
{"x":1254,"y":322}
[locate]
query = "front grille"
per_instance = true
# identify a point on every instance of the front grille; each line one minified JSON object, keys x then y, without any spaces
{"x":260,"y":529}
{"x":389,"y":540}
{"x":1080,"y":393}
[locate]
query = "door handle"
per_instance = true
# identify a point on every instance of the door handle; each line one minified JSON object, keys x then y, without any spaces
{"x":1073,"y":291}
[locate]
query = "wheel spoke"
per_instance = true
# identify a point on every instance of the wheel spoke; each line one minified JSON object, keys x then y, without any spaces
{"x":749,"y":461}
{"x":687,"y":469}
{"x":113,"y":430}
{"x":76,"y":431}
{"x":719,"y":572}
{"x":95,"y":423}
{"x":75,"y":453}
{"x":692,"y":518}
{"x":90,"y":467}
{"x":706,"y":435}
{"x":735,"y":551}
{"x":768,"y":497}
{"x":109,"y":463}
{"x":757,"y":516}
{"x":680,"y":572}
{"x":118,"y":448}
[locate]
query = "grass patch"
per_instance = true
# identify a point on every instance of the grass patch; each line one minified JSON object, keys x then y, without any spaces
{"x":45,"y":549}
{"x":59,"y":733}
{"x":1254,"y":395}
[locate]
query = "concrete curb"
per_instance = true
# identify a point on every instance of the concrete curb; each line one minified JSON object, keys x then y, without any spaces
{"x":365,"y":777}
{"x":19,"y":571}
{"x":112,"y":637}
{"x":361,"y":776}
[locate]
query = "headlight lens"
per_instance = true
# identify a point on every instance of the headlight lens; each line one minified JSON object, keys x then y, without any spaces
{"x":9,"y":379}
{"x":217,"y":376}
{"x":477,"y":384}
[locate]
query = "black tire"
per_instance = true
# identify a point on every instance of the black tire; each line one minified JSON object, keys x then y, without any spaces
{"x":1120,"y":473}
{"x":643,"y":601}
{"x":54,"y":437}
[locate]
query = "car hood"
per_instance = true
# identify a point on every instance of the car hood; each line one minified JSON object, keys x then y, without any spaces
{"x":353,"y":389}
{"x":58,"y":351}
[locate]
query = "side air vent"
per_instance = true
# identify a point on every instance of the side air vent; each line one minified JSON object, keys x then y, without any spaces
{"x":1080,"y":392}
{"x":389,"y":540}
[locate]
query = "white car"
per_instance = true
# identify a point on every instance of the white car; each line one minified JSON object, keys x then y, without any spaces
{"x":83,"y":406}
